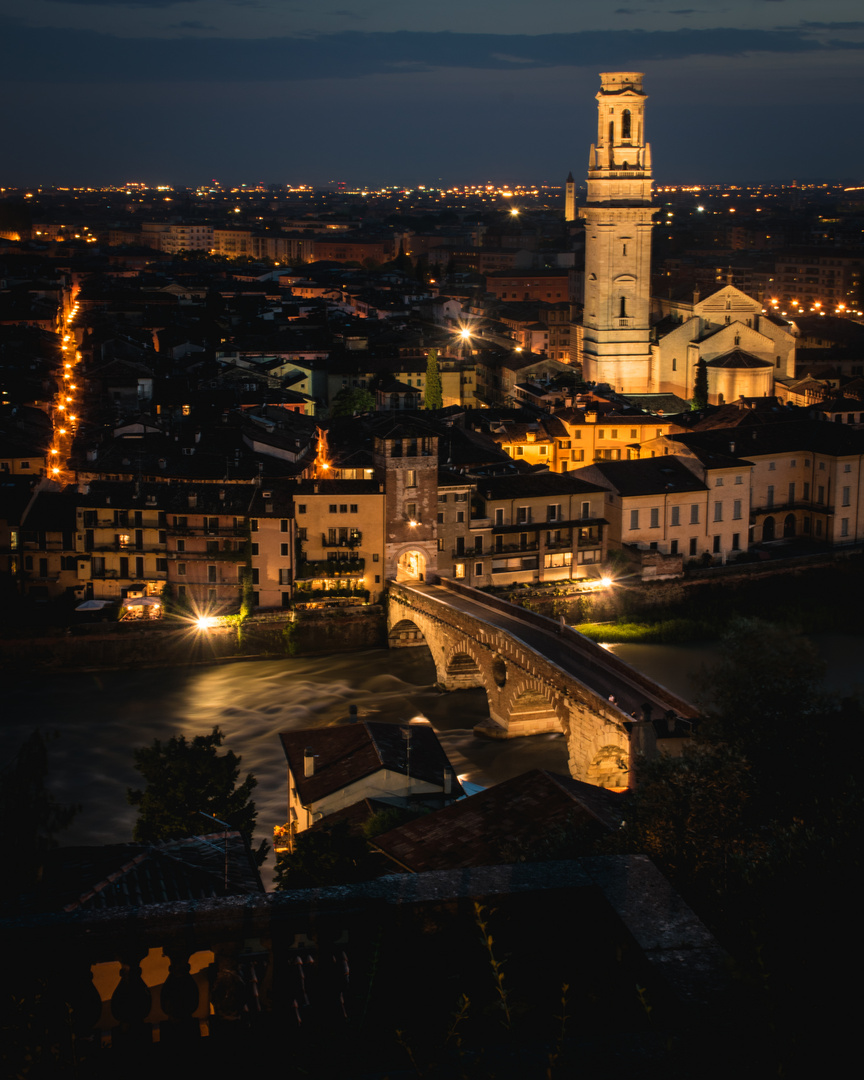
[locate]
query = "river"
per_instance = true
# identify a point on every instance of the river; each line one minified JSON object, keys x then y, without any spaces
{"x":101,"y":718}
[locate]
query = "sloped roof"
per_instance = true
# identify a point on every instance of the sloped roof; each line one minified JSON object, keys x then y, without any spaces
{"x":133,"y":875}
{"x":479,"y":830}
{"x":737,"y":358}
{"x":346,"y":754}
{"x":648,"y":476}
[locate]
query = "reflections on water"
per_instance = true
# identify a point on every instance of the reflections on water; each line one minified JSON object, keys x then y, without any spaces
{"x":102,"y":718}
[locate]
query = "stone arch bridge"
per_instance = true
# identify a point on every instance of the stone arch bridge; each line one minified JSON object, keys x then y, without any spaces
{"x":539,"y":676}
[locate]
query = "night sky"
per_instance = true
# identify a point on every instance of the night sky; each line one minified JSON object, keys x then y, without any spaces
{"x":402,"y":92}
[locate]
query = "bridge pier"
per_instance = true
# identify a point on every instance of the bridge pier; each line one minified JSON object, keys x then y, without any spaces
{"x":528,"y":694}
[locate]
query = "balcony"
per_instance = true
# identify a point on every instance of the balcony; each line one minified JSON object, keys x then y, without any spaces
{"x":809,"y":505}
{"x":506,"y":549}
{"x":354,"y":538}
{"x":330,"y":568}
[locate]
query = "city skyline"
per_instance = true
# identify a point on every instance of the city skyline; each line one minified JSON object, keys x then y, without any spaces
{"x":171,"y":92}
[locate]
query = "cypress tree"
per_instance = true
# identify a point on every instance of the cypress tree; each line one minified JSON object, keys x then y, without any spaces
{"x":700,"y":386}
{"x":434,"y":397}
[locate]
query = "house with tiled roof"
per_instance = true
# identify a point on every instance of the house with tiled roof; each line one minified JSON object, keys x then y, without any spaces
{"x":332,"y":768}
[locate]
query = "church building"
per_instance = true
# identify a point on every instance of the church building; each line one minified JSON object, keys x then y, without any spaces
{"x":626,"y":340}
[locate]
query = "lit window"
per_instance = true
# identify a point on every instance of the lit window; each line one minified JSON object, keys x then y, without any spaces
{"x":459,"y":570}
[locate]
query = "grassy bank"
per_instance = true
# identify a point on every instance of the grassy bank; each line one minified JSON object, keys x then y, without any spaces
{"x":664,"y":632}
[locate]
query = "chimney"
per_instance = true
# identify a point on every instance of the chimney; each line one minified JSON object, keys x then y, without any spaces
{"x":448,"y":781}
{"x":731,"y":447}
{"x":308,"y":762}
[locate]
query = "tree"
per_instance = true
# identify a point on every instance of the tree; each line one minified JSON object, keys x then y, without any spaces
{"x":352,"y":400}
{"x":700,"y":386}
{"x":185,"y":777}
{"x":331,"y":855}
{"x":37,"y":817}
{"x":434,"y":396}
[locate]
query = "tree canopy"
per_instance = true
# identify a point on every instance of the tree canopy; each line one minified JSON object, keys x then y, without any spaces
{"x":36,"y":814}
{"x":184,"y":777}
{"x":434,"y":396}
{"x":700,"y":385}
{"x":351,"y":400}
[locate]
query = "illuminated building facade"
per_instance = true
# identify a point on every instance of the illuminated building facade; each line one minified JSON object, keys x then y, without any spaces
{"x":615,"y":323}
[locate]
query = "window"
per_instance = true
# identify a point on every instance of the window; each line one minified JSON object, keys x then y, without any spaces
{"x":736,"y":541}
{"x":352,"y":508}
{"x":718,"y":511}
{"x":543,"y":451}
{"x":675,"y":512}
{"x":693,"y":542}
{"x":844,"y":526}
{"x":634,"y":519}
{"x":411,"y":511}
{"x":181,"y":569}
{"x":586,"y":510}
{"x":769,"y":499}
{"x":655,"y":518}
{"x":440,"y":543}
{"x":411,"y":478}
{"x":211,"y":574}
{"x":123,"y":539}
{"x":283,"y":525}
{"x":377,"y":579}
{"x":601,"y":434}
{"x":301,"y":533}
{"x":478,"y":545}
{"x":333,"y":508}
{"x":822,"y":466}
{"x":718,"y":482}
{"x":847,"y":467}
{"x":845,"y":497}
{"x":442,"y":498}
{"x":772,"y":465}
{"x":673,"y":547}
{"x":523,"y":515}
{"x":253,"y":524}
{"x":553,"y":512}
{"x":459,"y":569}
{"x":343,"y":508}
{"x":375,"y":557}
{"x":806,"y":491}
{"x":440,"y":519}
{"x":301,"y":508}
{"x":739,"y":479}
{"x":499,"y":516}
{"x":736,"y":510}
{"x":284,"y":576}
{"x":791,"y":493}
{"x":694,"y":514}
{"x":216,"y":542}
{"x":283,"y":550}
{"x":716,"y":545}
{"x":181,"y":545}
{"x":820,"y":497}
{"x":674,"y":363}
{"x":478,"y":569}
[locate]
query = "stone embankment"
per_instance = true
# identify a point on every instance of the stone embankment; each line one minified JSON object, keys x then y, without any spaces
{"x":170,"y":643}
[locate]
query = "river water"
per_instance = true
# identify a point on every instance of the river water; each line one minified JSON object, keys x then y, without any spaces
{"x":101,"y":718}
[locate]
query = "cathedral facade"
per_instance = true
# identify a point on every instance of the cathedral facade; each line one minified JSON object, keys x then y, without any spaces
{"x":624,"y":340}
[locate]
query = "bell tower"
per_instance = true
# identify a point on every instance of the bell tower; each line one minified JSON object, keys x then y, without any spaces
{"x":615,"y":331}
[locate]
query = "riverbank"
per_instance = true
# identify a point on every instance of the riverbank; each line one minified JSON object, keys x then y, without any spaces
{"x":816,"y":600}
{"x":179,"y":642}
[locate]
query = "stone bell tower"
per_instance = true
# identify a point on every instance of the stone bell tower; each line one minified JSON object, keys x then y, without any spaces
{"x":618,"y":213}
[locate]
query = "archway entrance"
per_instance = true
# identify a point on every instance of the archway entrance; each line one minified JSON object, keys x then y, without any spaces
{"x":789,"y":525}
{"x":768,"y":529}
{"x":411,"y":566}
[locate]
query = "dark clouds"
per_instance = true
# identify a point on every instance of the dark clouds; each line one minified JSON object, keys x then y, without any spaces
{"x":84,"y":56}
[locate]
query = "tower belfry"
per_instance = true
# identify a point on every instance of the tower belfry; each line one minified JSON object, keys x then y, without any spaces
{"x":615,"y":329}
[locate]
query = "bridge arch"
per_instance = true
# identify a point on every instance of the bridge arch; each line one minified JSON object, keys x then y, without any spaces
{"x":609,"y":767}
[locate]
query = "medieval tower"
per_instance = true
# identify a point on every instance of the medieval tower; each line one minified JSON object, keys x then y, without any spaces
{"x":615,"y":339}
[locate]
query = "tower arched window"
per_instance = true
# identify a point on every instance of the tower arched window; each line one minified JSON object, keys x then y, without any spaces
{"x":611,"y":132}
{"x":623,"y":312}
{"x":625,"y":124}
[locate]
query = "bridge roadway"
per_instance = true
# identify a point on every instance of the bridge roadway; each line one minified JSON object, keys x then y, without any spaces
{"x":602,"y":672}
